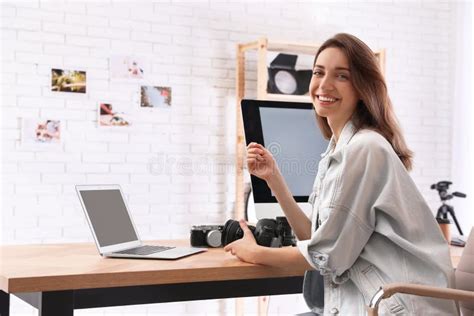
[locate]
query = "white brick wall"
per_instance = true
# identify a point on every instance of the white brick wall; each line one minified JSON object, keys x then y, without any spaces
{"x":191,"y":47}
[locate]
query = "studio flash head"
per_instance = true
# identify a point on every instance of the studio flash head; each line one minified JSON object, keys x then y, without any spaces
{"x":283,"y":78}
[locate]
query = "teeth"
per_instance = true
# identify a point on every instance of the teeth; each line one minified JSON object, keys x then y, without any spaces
{"x":326,"y":99}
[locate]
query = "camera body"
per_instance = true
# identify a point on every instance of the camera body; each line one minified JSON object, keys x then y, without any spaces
{"x":206,"y":236}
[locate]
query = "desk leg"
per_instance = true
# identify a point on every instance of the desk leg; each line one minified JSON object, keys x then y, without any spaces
{"x":4,"y":304}
{"x":57,"y":303}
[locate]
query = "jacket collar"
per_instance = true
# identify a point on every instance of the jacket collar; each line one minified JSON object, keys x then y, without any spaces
{"x":346,"y":134}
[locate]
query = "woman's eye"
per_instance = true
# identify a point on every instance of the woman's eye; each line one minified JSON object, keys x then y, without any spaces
{"x":317,"y":73}
{"x":342,"y":77}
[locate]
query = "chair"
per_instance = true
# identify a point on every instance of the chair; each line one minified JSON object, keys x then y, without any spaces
{"x":464,"y":283}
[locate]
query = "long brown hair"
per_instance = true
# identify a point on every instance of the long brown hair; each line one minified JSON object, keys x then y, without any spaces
{"x":374,"y":110}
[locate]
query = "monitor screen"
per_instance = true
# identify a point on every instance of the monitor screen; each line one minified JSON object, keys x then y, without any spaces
{"x":290,"y":132}
{"x":108,"y":216}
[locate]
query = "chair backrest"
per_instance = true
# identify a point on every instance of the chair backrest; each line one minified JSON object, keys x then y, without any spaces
{"x":465,"y":274}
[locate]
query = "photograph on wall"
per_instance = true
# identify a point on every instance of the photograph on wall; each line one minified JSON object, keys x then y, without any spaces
{"x":39,"y":132}
{"x":155,"y":97}
{"x":127,"y":67}
{"x":68,"y":81}
{"x":112,"y":115}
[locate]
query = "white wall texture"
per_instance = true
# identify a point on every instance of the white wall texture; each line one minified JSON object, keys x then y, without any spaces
{"x":191,"y":46}
{"x":463,"y":116}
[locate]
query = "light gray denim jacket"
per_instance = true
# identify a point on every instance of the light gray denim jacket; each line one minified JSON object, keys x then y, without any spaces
{"x":374,"y":228}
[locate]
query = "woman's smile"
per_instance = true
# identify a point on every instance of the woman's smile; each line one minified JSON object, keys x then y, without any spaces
{"x":326,"y":100}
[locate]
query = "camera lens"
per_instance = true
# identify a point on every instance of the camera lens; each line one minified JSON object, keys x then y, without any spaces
{"x":213,"y":238}
{"x":265,"y":231}
{"x":231,"y":232}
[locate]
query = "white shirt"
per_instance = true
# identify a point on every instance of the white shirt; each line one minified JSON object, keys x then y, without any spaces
{"x":375,"y":228}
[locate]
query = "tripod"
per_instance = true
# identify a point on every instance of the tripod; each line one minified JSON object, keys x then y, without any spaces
{"x":443,"y":212}
{"x":445,"y":209}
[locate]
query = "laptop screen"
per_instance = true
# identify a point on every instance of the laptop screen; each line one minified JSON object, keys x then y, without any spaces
{"x":109,"y":217}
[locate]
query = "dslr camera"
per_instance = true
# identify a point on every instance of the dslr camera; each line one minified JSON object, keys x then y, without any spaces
{"x":206,"y":236}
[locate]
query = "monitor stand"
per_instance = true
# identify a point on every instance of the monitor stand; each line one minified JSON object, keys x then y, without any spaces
{"x":272,"y":210}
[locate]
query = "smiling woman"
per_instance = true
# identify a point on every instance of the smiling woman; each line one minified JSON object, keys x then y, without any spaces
{"x":369,"y":224}
{"x":344,"y":64}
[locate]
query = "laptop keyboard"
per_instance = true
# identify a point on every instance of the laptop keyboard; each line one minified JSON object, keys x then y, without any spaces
{"x":144,"y":250}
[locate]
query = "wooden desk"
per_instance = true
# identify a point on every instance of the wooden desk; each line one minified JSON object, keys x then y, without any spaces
{"x":57,"y":279}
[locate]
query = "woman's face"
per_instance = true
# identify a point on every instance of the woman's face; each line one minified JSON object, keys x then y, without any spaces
{"x":331,"y":89}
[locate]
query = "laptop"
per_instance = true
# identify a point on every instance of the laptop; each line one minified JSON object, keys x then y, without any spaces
{"x":114,"y":232}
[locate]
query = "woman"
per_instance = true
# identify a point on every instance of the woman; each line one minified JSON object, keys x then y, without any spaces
{"x":370,"y":225}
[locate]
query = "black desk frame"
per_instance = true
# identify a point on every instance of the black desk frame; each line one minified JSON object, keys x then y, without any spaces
{"x":63,"y":303}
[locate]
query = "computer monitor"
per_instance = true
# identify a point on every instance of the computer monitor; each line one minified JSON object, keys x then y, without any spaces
{"x":289,"y":130}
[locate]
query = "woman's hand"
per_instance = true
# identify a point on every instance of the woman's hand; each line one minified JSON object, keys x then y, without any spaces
{"x":260,"y":162}
{"x":246,"y":248}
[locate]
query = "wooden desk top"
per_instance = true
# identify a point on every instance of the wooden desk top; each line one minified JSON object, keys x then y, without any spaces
{"x":35,"y":268}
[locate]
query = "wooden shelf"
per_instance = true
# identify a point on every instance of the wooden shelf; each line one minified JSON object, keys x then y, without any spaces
{"x":288,"y":47}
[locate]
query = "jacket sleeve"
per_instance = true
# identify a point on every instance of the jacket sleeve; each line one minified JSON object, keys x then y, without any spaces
{"x":361,"y":171}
